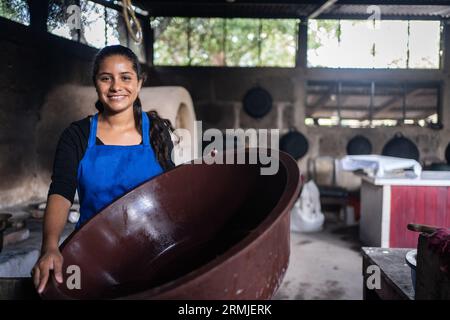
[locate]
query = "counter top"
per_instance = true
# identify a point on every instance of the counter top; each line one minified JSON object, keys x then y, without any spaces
{"x":17,"y":260}
{"x":396,"y":281}
{"x":427,"y":178}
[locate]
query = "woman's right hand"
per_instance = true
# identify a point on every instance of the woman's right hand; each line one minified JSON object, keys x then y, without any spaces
{"x":51,"y":259}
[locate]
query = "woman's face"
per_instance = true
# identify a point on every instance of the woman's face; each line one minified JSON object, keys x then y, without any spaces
{"x":117,"y":83}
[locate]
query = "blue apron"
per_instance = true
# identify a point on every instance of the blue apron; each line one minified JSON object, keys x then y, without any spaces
{"x":107,"y":172}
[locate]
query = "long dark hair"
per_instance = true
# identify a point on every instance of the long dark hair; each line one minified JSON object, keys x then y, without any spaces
{"x":160,"y":128}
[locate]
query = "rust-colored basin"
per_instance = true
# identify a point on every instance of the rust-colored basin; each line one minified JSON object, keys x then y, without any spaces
{"x":196,"y":232}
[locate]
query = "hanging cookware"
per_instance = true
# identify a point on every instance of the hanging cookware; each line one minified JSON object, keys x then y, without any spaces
{"x":294,"y":143}
{"x":447,"y":153}
{"x":401,"y":147}
{"x":257,"y":102}
{"x":359,"y":145}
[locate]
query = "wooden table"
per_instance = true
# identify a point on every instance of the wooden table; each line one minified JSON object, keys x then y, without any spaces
{"x":395,"y":274}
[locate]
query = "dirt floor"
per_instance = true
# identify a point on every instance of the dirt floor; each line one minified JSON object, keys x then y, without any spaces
{"x":324,"y":265}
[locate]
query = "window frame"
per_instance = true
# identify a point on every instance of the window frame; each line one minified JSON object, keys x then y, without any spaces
{"x":436,"y":84}
{"x":389,"y":18}
{"x":295,"y":57}
{"x":113,"y":6}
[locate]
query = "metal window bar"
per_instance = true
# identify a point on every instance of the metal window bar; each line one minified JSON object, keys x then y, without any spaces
{"x":297,"y":46}
{"x":372,"y":96}
{"x":148,"y":39}
{"x":106,"y":25}
{"x":339,"y":31}
{"x":439,"y":105}
{"x":259,"y":42}
{"x":301,"y":44}
{"x":126,"y":30}
{"x":441,"y":44}
{"x":404,"y":86}
{"x":407,"y":45}
{"x":339,"y":93}
{"x":189,"y":41}
{"x":224,"y":41}
{"x":78,"y":31}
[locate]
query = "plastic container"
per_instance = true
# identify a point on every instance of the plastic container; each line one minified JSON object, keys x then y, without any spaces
{"x":412,"y":263}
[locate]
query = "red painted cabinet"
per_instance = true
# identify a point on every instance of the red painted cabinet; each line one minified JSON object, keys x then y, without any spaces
{"x":388,"y":205}
{"x":417,"y":204}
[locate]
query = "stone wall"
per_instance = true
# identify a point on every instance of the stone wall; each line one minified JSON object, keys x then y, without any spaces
{"x":39,"y":75}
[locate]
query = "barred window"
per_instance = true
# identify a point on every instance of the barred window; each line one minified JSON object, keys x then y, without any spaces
{"x":100,"y":25}
{"x":407,"y":44}
{"x":372,"y":104}
{"x":225,"y":42}
{"x":15,"y":10}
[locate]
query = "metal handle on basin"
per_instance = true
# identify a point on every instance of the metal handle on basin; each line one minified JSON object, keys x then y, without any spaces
{"x":422,"y":228}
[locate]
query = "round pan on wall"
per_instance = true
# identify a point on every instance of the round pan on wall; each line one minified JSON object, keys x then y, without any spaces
{"x":447,"y":153}
{"x":257,"y":102}
{"x":359,"y":145}
{"x":402,"y":147}
{"x":295,"y":144}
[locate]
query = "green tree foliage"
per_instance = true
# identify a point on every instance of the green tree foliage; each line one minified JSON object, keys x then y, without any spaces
{"x":57,"y":12}
{"x":16,"y":10}
{"x":279,"y":42}
{"x":171,"y":44}
{"x":206,"y":42}
{"x":225,"y":42}
{"x":242,"y":42}
{"x":317,"y":29}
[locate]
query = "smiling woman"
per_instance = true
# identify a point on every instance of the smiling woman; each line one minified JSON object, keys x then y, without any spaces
{"x":117,"y":87}
{"x":105,"y":155}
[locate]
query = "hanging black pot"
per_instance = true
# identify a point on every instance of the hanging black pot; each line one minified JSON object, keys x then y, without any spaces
{"x":257,"y":102}
{"x":447,"y":153}
{"x":295,"y":144}
{"x":401,"y":147}
{"x":359,"y":145}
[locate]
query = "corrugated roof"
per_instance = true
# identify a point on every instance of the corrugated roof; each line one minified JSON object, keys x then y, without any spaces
{"x":293,"y":9}
{"x":401,"y":11}
{"x":275,"y":10}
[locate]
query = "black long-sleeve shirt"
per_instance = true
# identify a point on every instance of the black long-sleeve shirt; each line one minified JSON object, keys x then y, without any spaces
{"x":70,"y":150}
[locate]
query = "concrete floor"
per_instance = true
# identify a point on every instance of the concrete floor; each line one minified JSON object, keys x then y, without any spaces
{"x":17,"y":260}
{"x":323,"y":265}
{"x":326,"y":265}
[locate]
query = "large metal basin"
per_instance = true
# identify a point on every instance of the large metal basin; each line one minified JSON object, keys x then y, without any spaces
{"x":196,"y":232}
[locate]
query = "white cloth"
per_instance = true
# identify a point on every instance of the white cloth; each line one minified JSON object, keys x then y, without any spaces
{"x":379,"y":166}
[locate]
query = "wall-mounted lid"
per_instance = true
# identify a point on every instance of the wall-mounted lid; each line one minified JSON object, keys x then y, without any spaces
{"x":359,"y":145}
{"x":295,"y":144}
{"x":402,"y":147}
{"x":257,"y":102}
{"x":447,"y":153}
